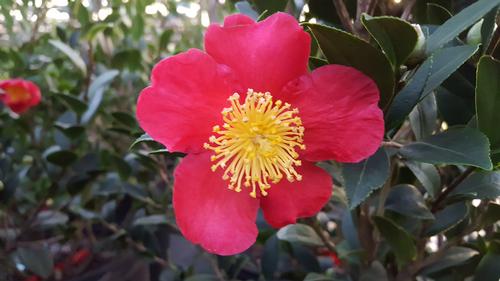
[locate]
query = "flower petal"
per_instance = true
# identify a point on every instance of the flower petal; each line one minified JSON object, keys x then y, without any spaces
{"x":184,"y":102}
{"x":208,"y":213}
{"x":338,"y":106}
{"x":288,"y":201}
{"x":264,"y":55}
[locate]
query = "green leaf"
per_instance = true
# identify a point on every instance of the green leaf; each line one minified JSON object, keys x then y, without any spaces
{"x":142,"y":138}
{"x":448,"y":218}
{"x":488,"y":28}
{"x":72,"y":132}
{"x":37,"y":260}
{"x":463,"y":146}
{"x":48,"y":218}
{"x":151,"y":220}
{"x":434,"y":71}
{"x":125,"y":119}
{"x":454,"y":256}
{"x":427,"y":175}
{"x":423,"y":118}
{"x":202,"y":277}
{"x":455,"y":25}
{"x":73,"y":55}
{"x":407,"y":200}
{"x":165,"y":39}
{"x":271,"y":6}
{"x":396,"y":37}
{"x":300,"y":233}
{"x":488,"y":269}
{"x":96,"y":29}
{"x":485,"y":185}
{"x":318,"y":277}
{"x":96,"y":92}
{"x":340,"y":47}
{"x":59,"y":157}
{"x":270,"y":257}
{"x":437,"y":14}
{"x":362,"y":178}
{"x":488,"y":102}
{"x":398,"y":239}
{"x":73,"y":102}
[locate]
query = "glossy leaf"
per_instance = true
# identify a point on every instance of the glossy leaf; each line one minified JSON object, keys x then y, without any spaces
{"x":454,"y":256}
{"x":362,"y":178}
{"x":437,"y":14}
{"x":399,"y":240}
{"x":407,"y":200}
{"x":427,"y":175}
{"x":423,"y":118}
{"x":37,"y":260}
{"x":300,"y":233}
{"x":96,"y":92}
{"x":396,"y":37}
{"x":270,"y":257}
{"x":485,"y":185}
{"x":464,"y":146}
{"x":73,"y":55}
{"x":436,"y":69}
{"x":447,"y":218}
{"x":488,"y":269}
{"x":488,"y":102}
{"x":340,"y":47}
{"x":455,"y":25}
{"x":73,"y":102}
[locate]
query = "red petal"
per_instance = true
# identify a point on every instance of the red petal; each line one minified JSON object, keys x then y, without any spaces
{"x":208,"y":213}
{"x":264,"y":55}
{"x":188,"y":92}
{"x":338,"y":106}
{"x":286,"y":201}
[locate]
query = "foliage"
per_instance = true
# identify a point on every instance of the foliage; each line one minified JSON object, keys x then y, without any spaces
{"x":77,"y":172}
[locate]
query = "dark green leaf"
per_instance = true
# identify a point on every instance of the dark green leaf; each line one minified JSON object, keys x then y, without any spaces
{"x":487,"y":28}
{"x":60,"y":157}
{"x":48,"y":218}
{"x":396,"y":37}
{"x":96,"y":29}
{"x":125,"y":119}
{"x":271,"y":6}
{"x":423,"y":118}
{"x":306,"y":257}
{"x":427,"y":78}
{"x":455,"y":25}
{"x":407,"y":200}
{"x":447,"y":218}
{"x":73,"y":103}
{"x":362,"y":178}
{"x":488,"y":102}
{"x":318,"y":277}
{"x":151,"y":220}
{"x":454,"y":256}
{"x":485,"y":185}
{"x":463,"y":146}
{"x":202,"y":277}
{"x":96,"y":92}
{"x":437,"y":14}
{"x":73,"y":55}
{"x":340,"y":47}
{"x":300,"y":233}
{"x":165,"y":39}
{"x":270,"y":256}
{"x":142,"y":138}
{"x":72,"y":132}
{"x":315,"y":62}
{"x":488,"y":269}
{"x":400,"y":241}
{"x":427,"y":175}
{"x":37,"y":260}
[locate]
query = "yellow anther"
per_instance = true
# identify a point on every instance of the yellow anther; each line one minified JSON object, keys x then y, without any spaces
{"x":257,"y":143}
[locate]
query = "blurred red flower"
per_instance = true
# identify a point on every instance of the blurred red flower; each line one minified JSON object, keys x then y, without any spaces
{"x":251,"y":117}
{"x":79,"y":256}
{"x":19,"y":95}
{"x":32,"y":278}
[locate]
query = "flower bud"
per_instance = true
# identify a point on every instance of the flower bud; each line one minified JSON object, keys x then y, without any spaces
{"x":418,"y":53}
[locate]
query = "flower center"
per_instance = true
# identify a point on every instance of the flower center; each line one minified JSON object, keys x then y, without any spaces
{"x":17,"y":94}
{"x":256,"y":144}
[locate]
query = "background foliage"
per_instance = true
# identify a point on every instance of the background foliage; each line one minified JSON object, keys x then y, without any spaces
{"x":84,"y":195}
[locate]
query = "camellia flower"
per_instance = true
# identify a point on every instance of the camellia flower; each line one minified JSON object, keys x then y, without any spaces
{"x":19,"y":95}
{"x":253,"y":121}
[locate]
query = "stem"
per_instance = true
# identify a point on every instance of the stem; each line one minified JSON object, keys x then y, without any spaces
{"x":344,"y":16}
{"x":392,"y":144}
{"x":451,"y":187}
{"x":407,"y":11}
{"x":323,"y":235}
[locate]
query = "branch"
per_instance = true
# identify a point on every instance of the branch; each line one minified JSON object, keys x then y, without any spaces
{"x":344,"y":16}
{"x":451,"y":187}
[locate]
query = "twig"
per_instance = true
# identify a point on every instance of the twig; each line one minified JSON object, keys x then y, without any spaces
{"x":392,"y":144}
{"x":407,"y":11}
{"x":344,"y":16}
{"x":324,"y":237}
{"x":451,"y":187}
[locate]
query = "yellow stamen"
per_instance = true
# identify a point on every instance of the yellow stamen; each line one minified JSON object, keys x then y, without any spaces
{"x":256,"y":145}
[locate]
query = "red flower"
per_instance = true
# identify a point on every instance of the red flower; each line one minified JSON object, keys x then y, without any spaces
{"x":262,"y":142}
{"x":32,"y":278}
{"x":19,"y":95}
{"x":79,"y":256}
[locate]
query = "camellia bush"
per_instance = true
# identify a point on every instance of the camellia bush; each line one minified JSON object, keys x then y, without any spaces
{"x":206,"y":140}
